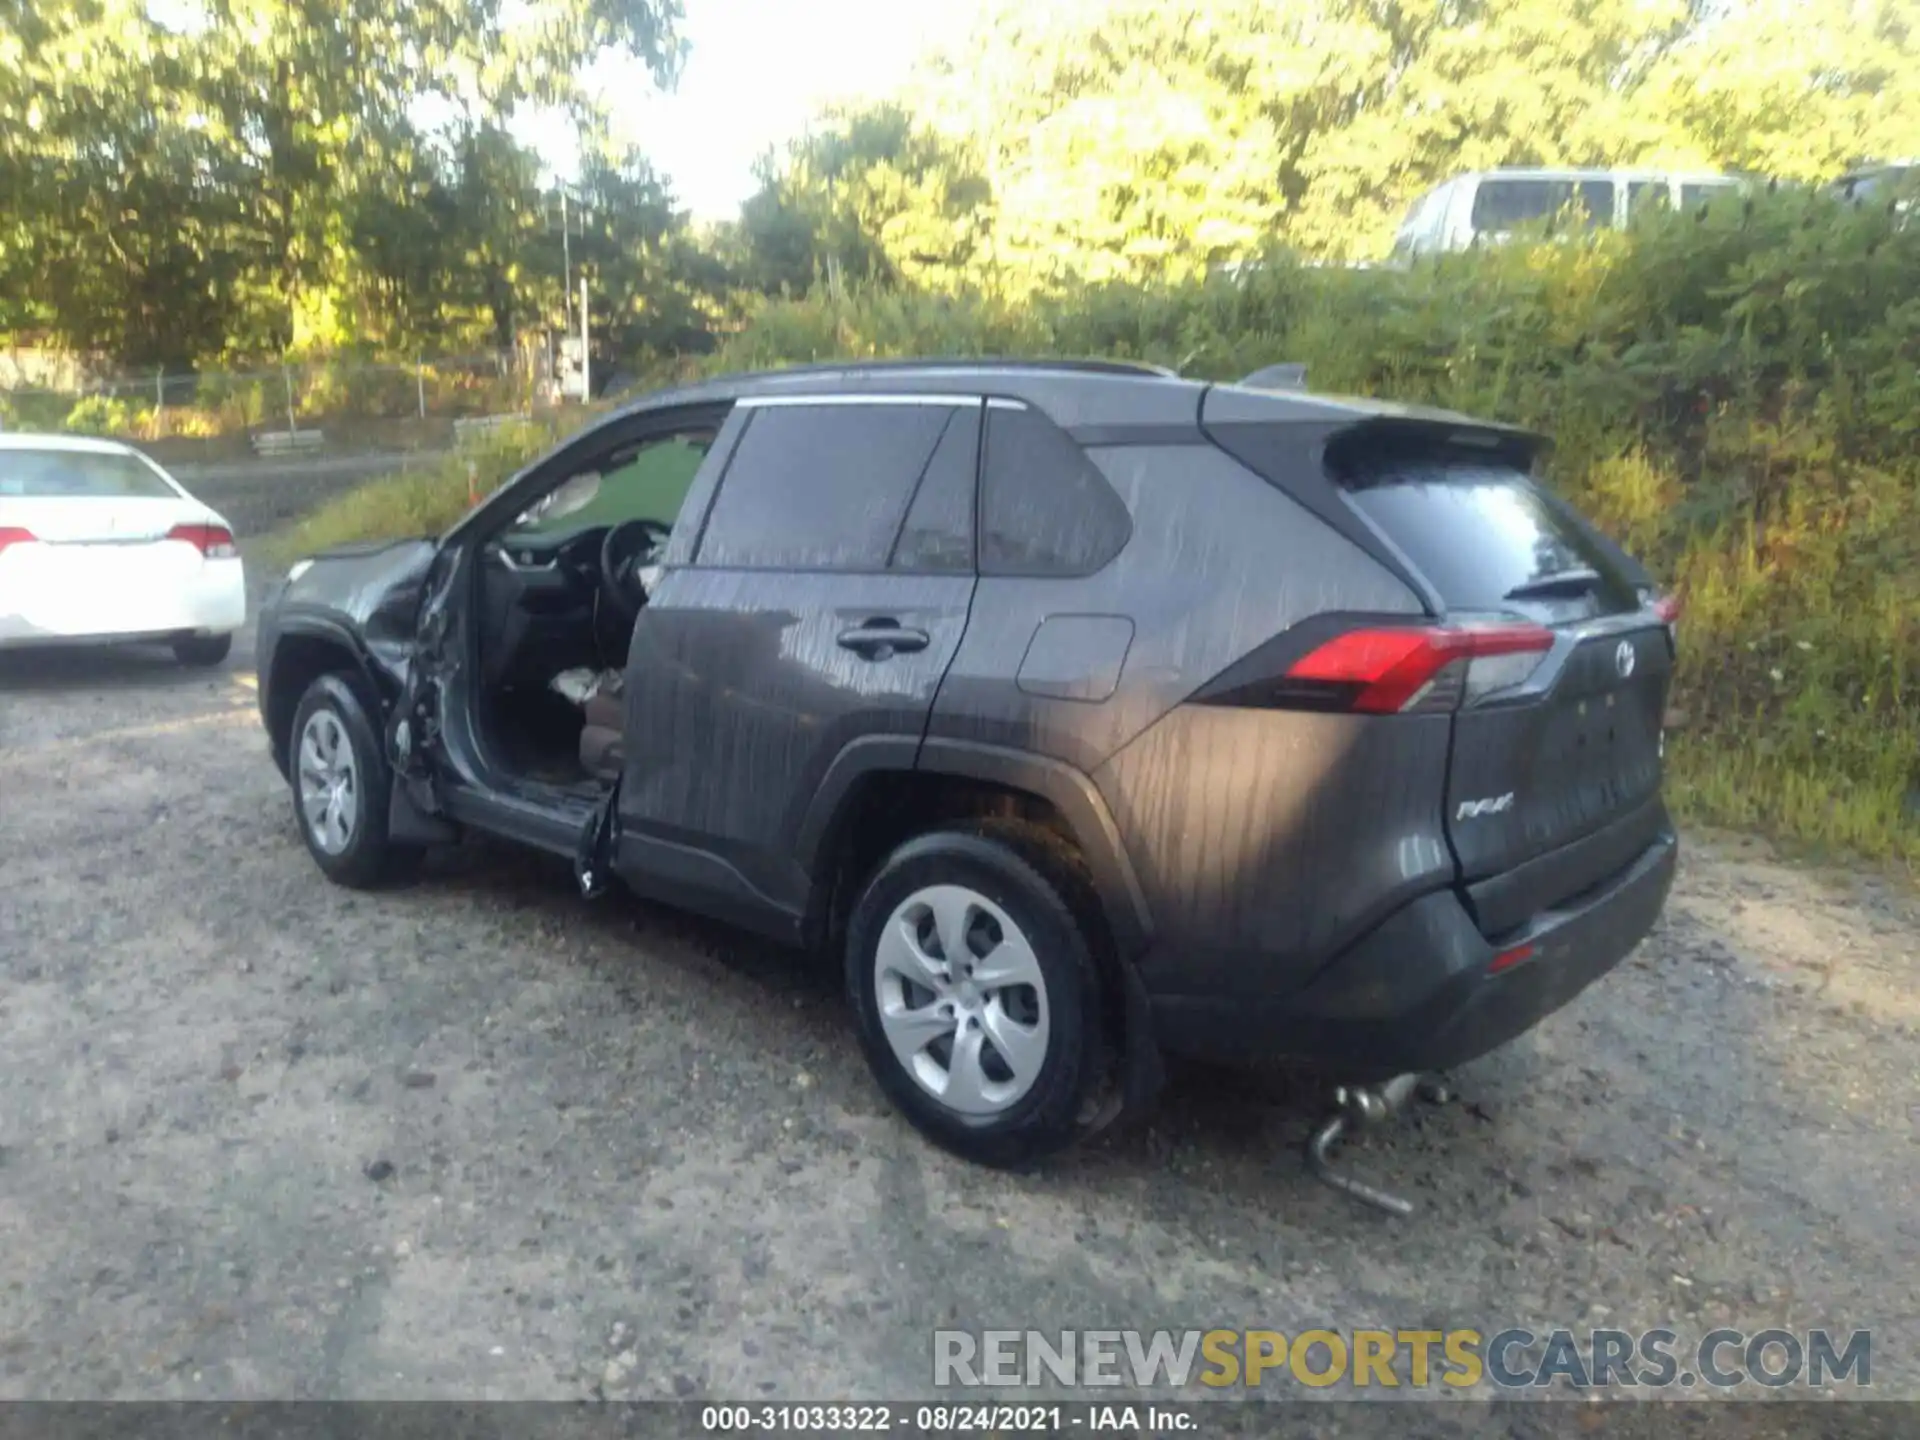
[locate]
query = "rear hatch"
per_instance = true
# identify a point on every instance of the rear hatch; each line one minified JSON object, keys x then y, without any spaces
{"x":1553,"y":783}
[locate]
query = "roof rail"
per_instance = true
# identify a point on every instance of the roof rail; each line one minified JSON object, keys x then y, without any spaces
{"x":1278,"y":377}
{"x":974,"y":362}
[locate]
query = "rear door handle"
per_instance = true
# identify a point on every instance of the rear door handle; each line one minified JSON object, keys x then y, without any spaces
{"x":881,"y":639}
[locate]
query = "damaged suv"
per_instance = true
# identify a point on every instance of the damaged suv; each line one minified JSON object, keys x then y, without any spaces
{"x":1091,"y":714}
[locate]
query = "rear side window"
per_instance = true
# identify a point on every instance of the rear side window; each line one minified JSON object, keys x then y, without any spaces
{"x":1044,"y":508}
{"x":1647,"y":197}
{"x":1694,"y":196}
{"x":1502,"y":205}
{"x":79,"y":474}
{"x":820,"y":487}
{"x":1487,"y":541}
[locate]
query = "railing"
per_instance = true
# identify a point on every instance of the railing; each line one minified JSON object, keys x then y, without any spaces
{"x":287,"y":442}
{"x":467,"y":427}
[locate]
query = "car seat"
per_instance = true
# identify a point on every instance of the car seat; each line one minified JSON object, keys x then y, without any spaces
{"x":603,"y":713}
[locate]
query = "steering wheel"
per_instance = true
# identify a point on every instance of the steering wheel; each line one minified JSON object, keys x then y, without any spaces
{"x":622,"y":550}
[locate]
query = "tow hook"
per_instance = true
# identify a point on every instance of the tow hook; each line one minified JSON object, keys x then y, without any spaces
{"x":1360,"y":1107}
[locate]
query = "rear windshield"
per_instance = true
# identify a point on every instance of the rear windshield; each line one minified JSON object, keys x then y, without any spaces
{"x":62,"y":474}
{"x":1486,"y":540}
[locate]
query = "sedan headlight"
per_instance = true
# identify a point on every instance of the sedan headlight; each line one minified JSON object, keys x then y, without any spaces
{"x":299,"y":568}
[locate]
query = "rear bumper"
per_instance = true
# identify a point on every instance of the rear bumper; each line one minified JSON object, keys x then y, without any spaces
{"x":206,"y":597}
{"x":1415,"y":993}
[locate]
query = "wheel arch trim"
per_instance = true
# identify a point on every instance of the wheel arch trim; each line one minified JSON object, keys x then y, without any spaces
{"x":307,"y":627}
{"x":1067,"y":789}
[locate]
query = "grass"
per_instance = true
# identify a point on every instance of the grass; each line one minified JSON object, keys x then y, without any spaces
{"x":1821,"y":809}
{"x":423,"y":498}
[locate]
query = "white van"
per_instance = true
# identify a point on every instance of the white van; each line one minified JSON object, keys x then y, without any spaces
{"x":1895,"y":180}
{"x":1487,"y":206}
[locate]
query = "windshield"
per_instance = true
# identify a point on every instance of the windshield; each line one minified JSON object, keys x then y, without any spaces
{"x":79,"y":474}
{"x":1422,"y":219}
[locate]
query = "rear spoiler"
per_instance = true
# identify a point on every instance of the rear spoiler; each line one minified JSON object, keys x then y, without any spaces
{"x":1436,"y":430}
{"x":1386,"y":422}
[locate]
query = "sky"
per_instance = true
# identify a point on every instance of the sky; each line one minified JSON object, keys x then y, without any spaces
{"x":756,"y":71}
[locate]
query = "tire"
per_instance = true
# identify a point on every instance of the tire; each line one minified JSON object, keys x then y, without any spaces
{"x":999,"y":888}
{"x":340,"y":803}
{"x":202,"y":650}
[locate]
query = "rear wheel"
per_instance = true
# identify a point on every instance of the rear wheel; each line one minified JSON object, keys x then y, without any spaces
{"x":342,"y":786}
{"x":977,"y":996}
{"x":202,"y":650}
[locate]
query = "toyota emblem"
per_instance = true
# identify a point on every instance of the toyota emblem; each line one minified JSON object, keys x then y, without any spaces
{"x":1623,"y":659}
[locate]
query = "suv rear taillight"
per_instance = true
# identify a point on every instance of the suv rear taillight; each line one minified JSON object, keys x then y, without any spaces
{"x":1402,"y":670}
{"x":213,"y":541}
{"x":14,"y":535}
{"x":1666,"y":608}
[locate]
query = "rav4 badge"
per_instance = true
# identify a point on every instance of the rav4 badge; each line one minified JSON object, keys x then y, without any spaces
{"x":1492,"y":805}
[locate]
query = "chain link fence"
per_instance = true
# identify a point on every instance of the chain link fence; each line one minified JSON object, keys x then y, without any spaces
{"x":332,"y":406}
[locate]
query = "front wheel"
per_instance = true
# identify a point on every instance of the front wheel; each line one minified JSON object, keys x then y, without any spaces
{"x":342,"y":787}
{"x":977,"y":995}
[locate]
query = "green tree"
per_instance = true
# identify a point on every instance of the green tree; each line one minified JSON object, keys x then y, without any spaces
{"x":1136,"y":140}
{"x":202,"y":180}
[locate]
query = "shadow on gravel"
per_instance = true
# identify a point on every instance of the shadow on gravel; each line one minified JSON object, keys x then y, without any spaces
{"x":1530,"y":1121}
{"x":653,"y":934}
{"x":53,"y":669}
{"x":1216,"y":1113}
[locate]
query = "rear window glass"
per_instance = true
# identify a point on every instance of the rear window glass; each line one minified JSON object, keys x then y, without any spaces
{"x":1502,"y":205}
{"x":1486,"y":540}
{"x":1645,"y":197}
{"x":1878,"y":184}
{"x":81,"y":474}
{"x":1044,"y":508}
{"x":1692,"y":196}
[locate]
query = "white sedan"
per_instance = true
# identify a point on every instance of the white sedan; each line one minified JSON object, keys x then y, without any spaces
{"x":99,"y":544}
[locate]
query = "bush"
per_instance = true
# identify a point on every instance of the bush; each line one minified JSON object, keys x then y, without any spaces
{"x":99,"y":415}
{"x":424,"y":499}
{"x":1735,"y":394}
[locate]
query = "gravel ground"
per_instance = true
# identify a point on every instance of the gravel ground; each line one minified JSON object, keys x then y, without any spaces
{"x":476,"y":1138}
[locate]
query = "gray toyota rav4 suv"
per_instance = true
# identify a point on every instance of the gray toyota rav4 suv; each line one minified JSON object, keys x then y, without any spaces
{"x":1089,"y":713}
